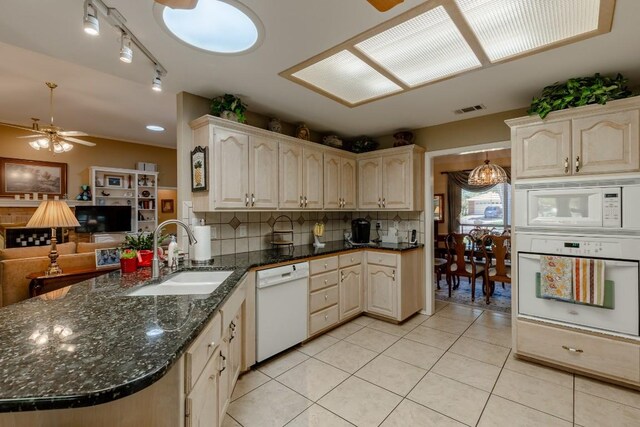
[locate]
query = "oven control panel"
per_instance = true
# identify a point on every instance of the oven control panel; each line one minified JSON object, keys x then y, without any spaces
{"x":578,"y":247}
{"x":611,"y":208}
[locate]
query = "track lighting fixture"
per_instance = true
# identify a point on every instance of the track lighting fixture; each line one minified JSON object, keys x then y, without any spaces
{"x":92,"y":8}
{"x":91,"y":23}
{"x":156,"y":84}
{"x":126,"y":53}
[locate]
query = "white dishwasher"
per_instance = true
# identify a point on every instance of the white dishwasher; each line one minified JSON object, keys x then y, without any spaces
{"x":281,"y":308}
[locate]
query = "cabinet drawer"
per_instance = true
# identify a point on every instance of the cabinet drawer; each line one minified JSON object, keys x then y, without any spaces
{"x":348,"y":260}
{"x":381,"y":258}
{"x":201,"y":350}
{"x":323,"y":280}
{"x":323,"y":264}
{"x":594,"y":354}
{"x":323,"y":299}
{"x":323,"y":319}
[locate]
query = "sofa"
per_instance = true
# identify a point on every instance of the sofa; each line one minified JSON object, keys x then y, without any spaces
{"x":17,"y":263}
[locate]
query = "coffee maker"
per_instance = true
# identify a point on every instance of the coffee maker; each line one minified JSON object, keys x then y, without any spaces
{"x":360,"y":229}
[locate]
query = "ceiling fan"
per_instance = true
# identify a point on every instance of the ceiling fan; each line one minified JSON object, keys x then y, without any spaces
{"x":51,"y":137}
{"x":381,"y":5}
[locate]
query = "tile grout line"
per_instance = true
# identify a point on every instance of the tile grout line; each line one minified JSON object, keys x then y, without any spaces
{"x":493,"y":388}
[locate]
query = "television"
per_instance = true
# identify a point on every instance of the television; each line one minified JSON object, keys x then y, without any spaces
{"x":103,"y":219}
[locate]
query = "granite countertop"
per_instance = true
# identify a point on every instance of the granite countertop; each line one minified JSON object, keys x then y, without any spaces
{"x":97,"y":344}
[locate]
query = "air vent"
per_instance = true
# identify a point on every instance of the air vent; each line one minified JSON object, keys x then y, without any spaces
{"x":470,"y":109}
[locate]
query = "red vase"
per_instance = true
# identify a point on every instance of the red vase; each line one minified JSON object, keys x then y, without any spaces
{"x":144,"y":258}
{"x":128,"y":265}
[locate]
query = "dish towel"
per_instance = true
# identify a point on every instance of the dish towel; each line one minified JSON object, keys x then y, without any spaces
{"x":556,"y":277}
{"x":588,"y":281}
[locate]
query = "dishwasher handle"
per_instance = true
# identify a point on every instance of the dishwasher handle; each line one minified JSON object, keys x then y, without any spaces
{"x":284,"y":278}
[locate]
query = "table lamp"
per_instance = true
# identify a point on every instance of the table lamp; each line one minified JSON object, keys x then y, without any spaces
{"x":53,"y":213}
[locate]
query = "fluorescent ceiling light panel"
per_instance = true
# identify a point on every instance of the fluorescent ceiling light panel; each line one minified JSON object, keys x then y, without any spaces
{"x":423,"y":49}
{"x":507,"y":28}
{"x":345,"y":76}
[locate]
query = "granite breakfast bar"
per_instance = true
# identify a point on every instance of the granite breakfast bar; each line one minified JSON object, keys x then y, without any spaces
{"x":93,"y":344}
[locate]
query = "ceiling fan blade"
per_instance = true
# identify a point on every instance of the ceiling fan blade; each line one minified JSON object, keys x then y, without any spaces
{"x":66,"y":133}
{"x":384,"y":5}
{"x":179,"y":4}
{"x":20,"y":127}
{"x":31,"y":136}
{"x":78,"y":141}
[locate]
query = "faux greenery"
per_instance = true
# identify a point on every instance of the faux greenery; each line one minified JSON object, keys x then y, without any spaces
{"x":140,"y":241}
{"x":228,"y":102}
{"x":128,"y":254}
{"x":579,"y":91}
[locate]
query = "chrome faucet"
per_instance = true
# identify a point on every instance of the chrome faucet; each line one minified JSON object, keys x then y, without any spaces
{"x":155,"y":265}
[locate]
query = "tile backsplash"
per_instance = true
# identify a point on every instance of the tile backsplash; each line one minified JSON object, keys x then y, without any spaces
{"x":236,"y":232}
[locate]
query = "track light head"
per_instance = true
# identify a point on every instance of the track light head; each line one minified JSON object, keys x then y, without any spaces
{"x":126,"y":53}
{"x":156,"y":84}
{"x":91,"y":23}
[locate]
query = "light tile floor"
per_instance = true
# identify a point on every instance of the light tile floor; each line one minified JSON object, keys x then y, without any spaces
{"x":454,"y":368}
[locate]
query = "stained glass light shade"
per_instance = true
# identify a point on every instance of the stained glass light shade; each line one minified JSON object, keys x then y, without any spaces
{"x":487,"y":174}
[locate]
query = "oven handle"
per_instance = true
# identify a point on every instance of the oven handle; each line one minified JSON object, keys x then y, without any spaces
{"x":608,"y":263}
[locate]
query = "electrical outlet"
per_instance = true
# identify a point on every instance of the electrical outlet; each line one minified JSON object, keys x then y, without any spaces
{"x":242,"y":231}
{"x":214,"y":232}
{"x":378,"y":224}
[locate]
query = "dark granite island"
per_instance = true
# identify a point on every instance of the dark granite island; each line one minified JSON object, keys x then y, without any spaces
{"x":92,"y":344}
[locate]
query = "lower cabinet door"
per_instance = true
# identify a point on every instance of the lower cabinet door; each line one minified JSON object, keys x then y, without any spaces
{"x":235,"y":350}
{"x":351,"y":292}
{"x":224,"y":394}
{"x":382,"y":291}
{"x":202,"y":402}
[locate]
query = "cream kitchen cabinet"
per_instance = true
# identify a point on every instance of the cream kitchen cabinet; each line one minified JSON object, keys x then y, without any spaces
{"x":351,"y":285}
{"x":395,"y":283}
{"x":391,"y":179}
{"x":201,"y":407}
{"x":340,"y":175}
{"x":301,"y":177}
{"x":242,"y":173}
{"x":581,"y":141}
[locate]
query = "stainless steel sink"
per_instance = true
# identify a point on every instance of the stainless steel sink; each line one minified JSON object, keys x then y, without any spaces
{"x":185,"y":283}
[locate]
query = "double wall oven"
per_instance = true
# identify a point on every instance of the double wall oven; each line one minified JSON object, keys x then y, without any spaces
{"x":596,"y":223}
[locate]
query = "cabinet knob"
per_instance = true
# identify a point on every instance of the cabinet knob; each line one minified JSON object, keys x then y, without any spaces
{"x":325,"y":265}
{"x":572,"y":350}
{"x":326,"y":281}
{"x":305,"y":201}
{"x":246,"y":199}
{"x":384,"y":202}
{"x":212,"y":344}
{"x":301,"y":202}
{"x":577,"y":164}
{"x":379,"y":202}
{"x":351,"y":259}
{"x":326,"y":316}
{"x":393,"y":275}
{"x":326,"y":297}
{"x":566,"y":165}
{"x":253,"y":200}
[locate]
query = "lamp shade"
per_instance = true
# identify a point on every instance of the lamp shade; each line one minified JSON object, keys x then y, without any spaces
{"x":53,"y":213}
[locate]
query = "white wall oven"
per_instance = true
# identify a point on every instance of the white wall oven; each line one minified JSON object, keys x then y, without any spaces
{"x":587,"y":281}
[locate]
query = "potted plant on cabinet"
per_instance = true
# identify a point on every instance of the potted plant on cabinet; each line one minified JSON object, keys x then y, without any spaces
{"x":229,"y":107}
{"x":128,"y":260}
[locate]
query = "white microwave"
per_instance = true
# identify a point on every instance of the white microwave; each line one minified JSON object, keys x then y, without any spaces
{"x":580,"y":207}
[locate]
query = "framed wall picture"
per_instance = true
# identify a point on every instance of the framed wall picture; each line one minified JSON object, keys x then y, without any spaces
{"x":166,"y":205}
{"x":107,"y":257}
{"x":199,"y":169}
{"x":19,"y":176}
{"x":438,"y":207}
{"x":114,"y":181}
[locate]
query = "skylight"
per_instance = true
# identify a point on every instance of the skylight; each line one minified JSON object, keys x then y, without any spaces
{"x":215,"y":26}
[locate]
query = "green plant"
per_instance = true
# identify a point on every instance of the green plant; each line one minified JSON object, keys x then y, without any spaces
{"x":140,"y":241}
{"x":128,"y":254}
{"x":228,"y":102}
{"x":579,"y":91}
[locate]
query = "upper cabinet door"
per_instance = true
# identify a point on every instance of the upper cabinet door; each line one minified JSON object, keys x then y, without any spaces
{"x":290,"y":171}
{"x":348,"y":180}
{"x":263,"y":173}
{"x":606,"y":143}
{"x":543,"y":150}
{"x":370,"y":183}
{"x":312,"y":172}
{"x":332,"y":167}
{"x":232,"y":169}
{"x":397,"y":182}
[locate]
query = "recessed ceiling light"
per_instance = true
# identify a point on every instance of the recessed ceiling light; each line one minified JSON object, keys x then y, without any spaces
{"x":216,"y":26}
{"x":155,"y":128}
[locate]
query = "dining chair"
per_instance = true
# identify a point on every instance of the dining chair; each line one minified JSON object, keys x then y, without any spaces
{"x":497,"y":252}
{"x":461,"y":261}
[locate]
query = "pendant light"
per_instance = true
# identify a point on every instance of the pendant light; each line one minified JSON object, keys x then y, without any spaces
{"x":487,"y":174}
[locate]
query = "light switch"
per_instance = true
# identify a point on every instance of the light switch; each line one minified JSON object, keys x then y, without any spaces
{"x":242,"y":231}
{"x":214,"y":232}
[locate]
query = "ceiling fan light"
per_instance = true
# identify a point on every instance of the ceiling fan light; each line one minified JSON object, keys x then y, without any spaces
{"x":126,"y":53}
{"x":57,"y":148}
{"x":43,"y":143}
{"x":34,"y":145}
{"x":66,"y":146}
